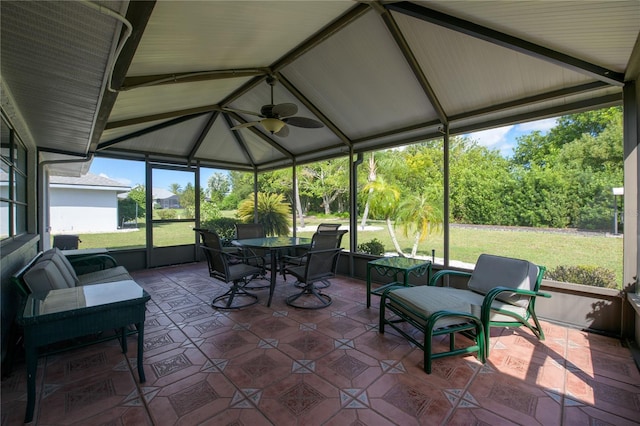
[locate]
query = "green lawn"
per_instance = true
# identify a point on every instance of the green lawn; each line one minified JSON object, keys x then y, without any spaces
{"x":466,"y":244}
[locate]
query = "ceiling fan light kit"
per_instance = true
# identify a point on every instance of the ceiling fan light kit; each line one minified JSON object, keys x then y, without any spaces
{"x":272,"y":125}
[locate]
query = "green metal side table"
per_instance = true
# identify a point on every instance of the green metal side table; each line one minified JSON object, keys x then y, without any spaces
{"x":391,"y":267}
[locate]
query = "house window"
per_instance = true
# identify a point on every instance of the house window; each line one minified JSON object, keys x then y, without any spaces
{"x":13,"y":183}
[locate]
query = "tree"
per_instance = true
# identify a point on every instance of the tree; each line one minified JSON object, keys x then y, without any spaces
{"x":478,"y":178}
{"x":371,"y":177}
{"x":175,"y":188}
{"x":218,"y":186}
{"x":326,"y":180}
{"x":188,"y":199}
{"x":384,"y":200}
{"x":273,"y":213}
{"x":421,"y":214}
{"x":139,"y":195}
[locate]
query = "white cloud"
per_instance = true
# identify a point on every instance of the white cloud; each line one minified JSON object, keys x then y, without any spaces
{"x":542,"y":125}
{"x":492,"y":138}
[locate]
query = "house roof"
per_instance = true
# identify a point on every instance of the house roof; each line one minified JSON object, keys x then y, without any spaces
{"x":88,"y":180}
{"x":162,"y":194}
{"x":376,"y":74}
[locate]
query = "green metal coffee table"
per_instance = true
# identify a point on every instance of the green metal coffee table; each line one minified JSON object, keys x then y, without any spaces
{"x":392,"y":266}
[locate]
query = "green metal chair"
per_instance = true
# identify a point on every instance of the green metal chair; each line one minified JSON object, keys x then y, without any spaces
{"x":501,"y":292}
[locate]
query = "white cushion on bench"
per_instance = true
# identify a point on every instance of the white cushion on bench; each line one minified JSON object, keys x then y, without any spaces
{"x":61,"y":261}
{"x":44,"y":276}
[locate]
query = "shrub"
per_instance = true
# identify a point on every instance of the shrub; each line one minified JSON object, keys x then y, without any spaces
{"x":167,"y":213}
{"x":273,"y":213}
{"x":374,"y":247}
{"x":225,"y":227}
{"x":209,"y":211}
{"x":584,"y":274}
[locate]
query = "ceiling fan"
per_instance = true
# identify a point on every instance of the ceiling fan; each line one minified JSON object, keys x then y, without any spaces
{"x":276,"y":118}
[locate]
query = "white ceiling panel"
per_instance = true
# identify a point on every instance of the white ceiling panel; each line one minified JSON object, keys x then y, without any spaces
{"x":177,"y":140}
{"x":185,"y":36}
{"x":468,"y":74}
{"x":601,"y":32}
{"x":151,"y":100}
{"x":361,"y":81}
{"x":111,"y":134}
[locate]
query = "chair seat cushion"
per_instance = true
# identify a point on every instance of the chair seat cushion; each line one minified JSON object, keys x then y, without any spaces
{"x":475,"y":301}
{"x":119,"y":273}
{"x":428,"y":300}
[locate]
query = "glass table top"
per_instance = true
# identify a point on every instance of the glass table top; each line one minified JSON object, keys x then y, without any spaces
{"x":399,"y":262}
{"x":69,"y":299}
{"x":273,"y":242}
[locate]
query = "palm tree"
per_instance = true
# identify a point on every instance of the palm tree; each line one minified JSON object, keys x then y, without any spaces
{"x":371,"y":178}
{"x":273,"y":213}
{"x":383,"y":200}
{"x":421,"y":213}
{"x":175,"y":188}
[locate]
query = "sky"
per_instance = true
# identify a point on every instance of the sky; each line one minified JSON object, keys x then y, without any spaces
{"x":131,"y":173}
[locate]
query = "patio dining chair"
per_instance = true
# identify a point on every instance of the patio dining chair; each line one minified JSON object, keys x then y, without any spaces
{"x":255,"y":257}
{"x":501,"y":292}
{"x":318,"y":243}
{"x":320,"y":265}
{"x":328,"y":227}
{"x":229,"y":268}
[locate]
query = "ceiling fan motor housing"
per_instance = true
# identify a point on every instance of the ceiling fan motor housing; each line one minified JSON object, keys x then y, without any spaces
{"x":267,"y":111}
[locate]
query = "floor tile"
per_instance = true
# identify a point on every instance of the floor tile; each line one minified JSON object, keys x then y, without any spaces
{"x":281,"y":365}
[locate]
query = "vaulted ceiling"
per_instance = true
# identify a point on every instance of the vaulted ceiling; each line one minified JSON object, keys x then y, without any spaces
{"x":174,"y":81}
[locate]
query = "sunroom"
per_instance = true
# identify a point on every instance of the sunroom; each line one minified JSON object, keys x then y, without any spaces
{"x":179,"y":86}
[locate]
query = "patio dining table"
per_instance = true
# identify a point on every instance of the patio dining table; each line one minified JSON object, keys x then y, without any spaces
{"x":274,"y":245}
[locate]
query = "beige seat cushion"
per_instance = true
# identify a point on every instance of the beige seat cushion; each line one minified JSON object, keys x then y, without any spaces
{"x":66,"y":269}
{"x":475,"y":301}
{"x":428,"y":300}
{"x":44,"y":276}
{"x":119,"y":273}
{"x":497,"y":271}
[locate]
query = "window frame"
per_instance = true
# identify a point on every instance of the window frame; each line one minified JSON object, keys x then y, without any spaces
{"x":16,"y":198}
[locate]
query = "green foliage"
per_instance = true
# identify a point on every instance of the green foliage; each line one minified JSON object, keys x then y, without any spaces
{"x":167,"y":213}
{"x":225,"y":227}
{"x":138,"y":194}
{"x":218,"y":186}
{"x":374,"y":247}
{"x":175,"y":188}
{"x":208,"y":211}
{"x":584,"y":274}
{"x":188,"y":199}
{"x":230,"y":202}
{"x":273,"y":213}
{"x":478,"y":179}
{"x":126,"y":210}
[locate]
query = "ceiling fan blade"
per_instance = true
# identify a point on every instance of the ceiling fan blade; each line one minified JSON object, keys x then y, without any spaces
{"x":284,"y":132}
{"x":243,"y":125}
{"x":307,"y":123}
{"x":243,"y":111}
{"x":284,"y":110}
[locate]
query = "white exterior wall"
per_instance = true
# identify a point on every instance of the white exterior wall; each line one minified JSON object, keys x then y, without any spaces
{"x":75,"y":210}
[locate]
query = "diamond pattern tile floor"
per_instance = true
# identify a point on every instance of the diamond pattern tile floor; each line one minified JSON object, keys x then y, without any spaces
{"x":284,"y":366}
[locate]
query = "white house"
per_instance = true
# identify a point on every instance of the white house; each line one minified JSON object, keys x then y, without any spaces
{"x":165,"y":199}
{"x":85,"y":204}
